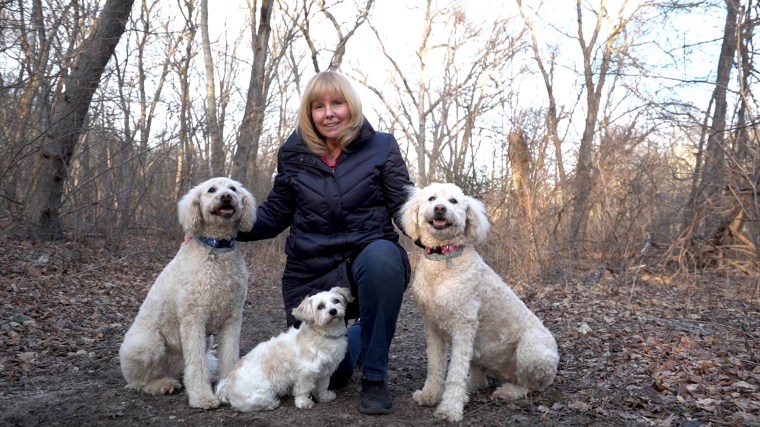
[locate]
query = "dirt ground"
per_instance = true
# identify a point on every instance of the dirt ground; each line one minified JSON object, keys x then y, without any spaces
{"x":636,"y":349}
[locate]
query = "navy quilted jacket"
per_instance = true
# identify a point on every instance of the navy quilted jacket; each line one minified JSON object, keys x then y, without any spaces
{"x":332,"y":215}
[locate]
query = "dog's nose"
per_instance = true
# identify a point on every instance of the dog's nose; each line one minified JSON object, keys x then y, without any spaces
{"x":439,"y":209}
{"x":226,"y":197}
{"x":333,"y":312}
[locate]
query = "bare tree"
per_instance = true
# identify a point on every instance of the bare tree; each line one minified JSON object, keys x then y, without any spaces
{"x":303,"y":19}
{"x":709,"y":211}
{"x":340,"y":47}
{"x":252,"y":124}
{"x":439,"y":114}
{"x":28,"y":113}
{"x":43,"y":206}
{"x":182,"y":66}
{"x":594,"y":77}
{"x":148,"y":104}
{"x":216,"y":142}
{"x":553,"y":117}
{"x":519,"y":157}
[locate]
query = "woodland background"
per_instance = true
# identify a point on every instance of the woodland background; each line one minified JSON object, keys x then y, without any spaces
{"x":600,"y":130}
{"x":614,"y":143}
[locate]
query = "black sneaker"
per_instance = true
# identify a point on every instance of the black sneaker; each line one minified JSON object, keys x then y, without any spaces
{"x":376,"y":398}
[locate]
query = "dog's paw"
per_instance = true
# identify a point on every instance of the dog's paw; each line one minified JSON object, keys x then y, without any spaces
{"x":425,"y":398}
{"x":509,"y":392}
{"x":221,"y":392}
{"x":162,"y":386}
{"x":449,"y":412}
{"x":204,"y":402}
{"x":304,"y":402}
{"x":326,"y":396}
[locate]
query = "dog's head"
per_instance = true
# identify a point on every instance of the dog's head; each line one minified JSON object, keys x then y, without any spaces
{"x":324,"y":308}
{"x":217,"y":208}
{"x":442,"y":214}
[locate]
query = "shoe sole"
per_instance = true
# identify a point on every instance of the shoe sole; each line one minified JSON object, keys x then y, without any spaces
{"x":375,"y":410}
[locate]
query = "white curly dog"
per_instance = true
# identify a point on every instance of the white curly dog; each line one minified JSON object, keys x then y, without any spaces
{"x":199,"y":293}
{"x":298,"y":361}
{"x":466,"y":305}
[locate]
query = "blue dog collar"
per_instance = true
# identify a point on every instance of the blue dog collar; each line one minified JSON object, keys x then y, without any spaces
{"x":216,"y":243}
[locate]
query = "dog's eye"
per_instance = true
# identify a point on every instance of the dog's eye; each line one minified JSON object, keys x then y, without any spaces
{"x":431,"y":198}
{"x":336,"y":301}
{"x":321,"y":306}
{"x":453,"y":201}
{"x":233,"y":188}
{"x":212,"y":190}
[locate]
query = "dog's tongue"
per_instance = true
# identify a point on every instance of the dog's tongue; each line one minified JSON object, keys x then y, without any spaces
{"x":226,"y":212}
{"x":439,"y":223}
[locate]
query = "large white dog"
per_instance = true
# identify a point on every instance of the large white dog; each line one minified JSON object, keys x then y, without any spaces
{"x":200,"y":292}
{"x":298,"y":361}
{"x":466,"y":305}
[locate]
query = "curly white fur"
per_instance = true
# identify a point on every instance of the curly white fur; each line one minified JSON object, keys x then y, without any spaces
{"x":298,"y":361}
{"x":467,"y":306}
{"x":199,"y":293}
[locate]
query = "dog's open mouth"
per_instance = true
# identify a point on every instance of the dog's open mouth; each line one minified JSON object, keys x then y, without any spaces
{"x":225,"y":210}
{"x":439,"y":223}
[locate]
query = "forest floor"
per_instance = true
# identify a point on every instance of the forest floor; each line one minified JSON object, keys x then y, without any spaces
{"x":643,"y":349}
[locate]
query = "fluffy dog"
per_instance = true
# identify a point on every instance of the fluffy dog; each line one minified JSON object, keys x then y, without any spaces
{"x":199,"y":293}
{"x":466,"y":305}
{"x":298,"y":361}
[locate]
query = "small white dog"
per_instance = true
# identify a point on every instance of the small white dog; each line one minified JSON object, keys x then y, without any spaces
{"x":199,"y":293}
{"x":466,"y":305}
{"x":298,"y":361}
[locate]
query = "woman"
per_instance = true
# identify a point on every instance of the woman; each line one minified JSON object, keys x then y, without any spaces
{"x":338,"y":187}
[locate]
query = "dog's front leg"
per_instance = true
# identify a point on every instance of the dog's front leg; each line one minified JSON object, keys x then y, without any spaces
{"x":455,"y":393}
{"x":436,"y":369}
{"x":302,"y":391}
{"x":229,"y":347}
{"x":197,"y":377}
{"x":321,"y":392}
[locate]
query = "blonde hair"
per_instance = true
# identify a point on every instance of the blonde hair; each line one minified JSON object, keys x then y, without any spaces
{"x":337,"y":85}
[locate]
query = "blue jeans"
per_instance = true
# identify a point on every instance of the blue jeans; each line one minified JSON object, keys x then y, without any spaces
{"x":380,"y":274}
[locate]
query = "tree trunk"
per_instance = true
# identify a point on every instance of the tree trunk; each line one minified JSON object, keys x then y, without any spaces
{"x":43,"y":208}
{"x":552,"y":116}
{"x":217,"y":160}
{"x":713,"y":210}
{"x":583,"y":171}
{"x":251,"y":127}
{"x":519,"y":159}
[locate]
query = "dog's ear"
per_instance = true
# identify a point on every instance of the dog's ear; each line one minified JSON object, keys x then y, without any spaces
{"x":344,"y":292}
{"x":409,"y":213}
{"x":477,"y":225}
{"x":304,"y":311}
{"x":190,"y":211}
{"x":248,"y":211}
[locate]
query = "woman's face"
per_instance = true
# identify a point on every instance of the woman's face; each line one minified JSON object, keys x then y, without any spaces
{"x":330,"y":115}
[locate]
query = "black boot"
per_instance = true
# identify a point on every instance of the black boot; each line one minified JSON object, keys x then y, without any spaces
{"x":376,"y":398}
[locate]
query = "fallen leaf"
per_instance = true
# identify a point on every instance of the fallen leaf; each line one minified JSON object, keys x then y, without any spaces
{"x":578,"y":405}
{"x":743,"y":385}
